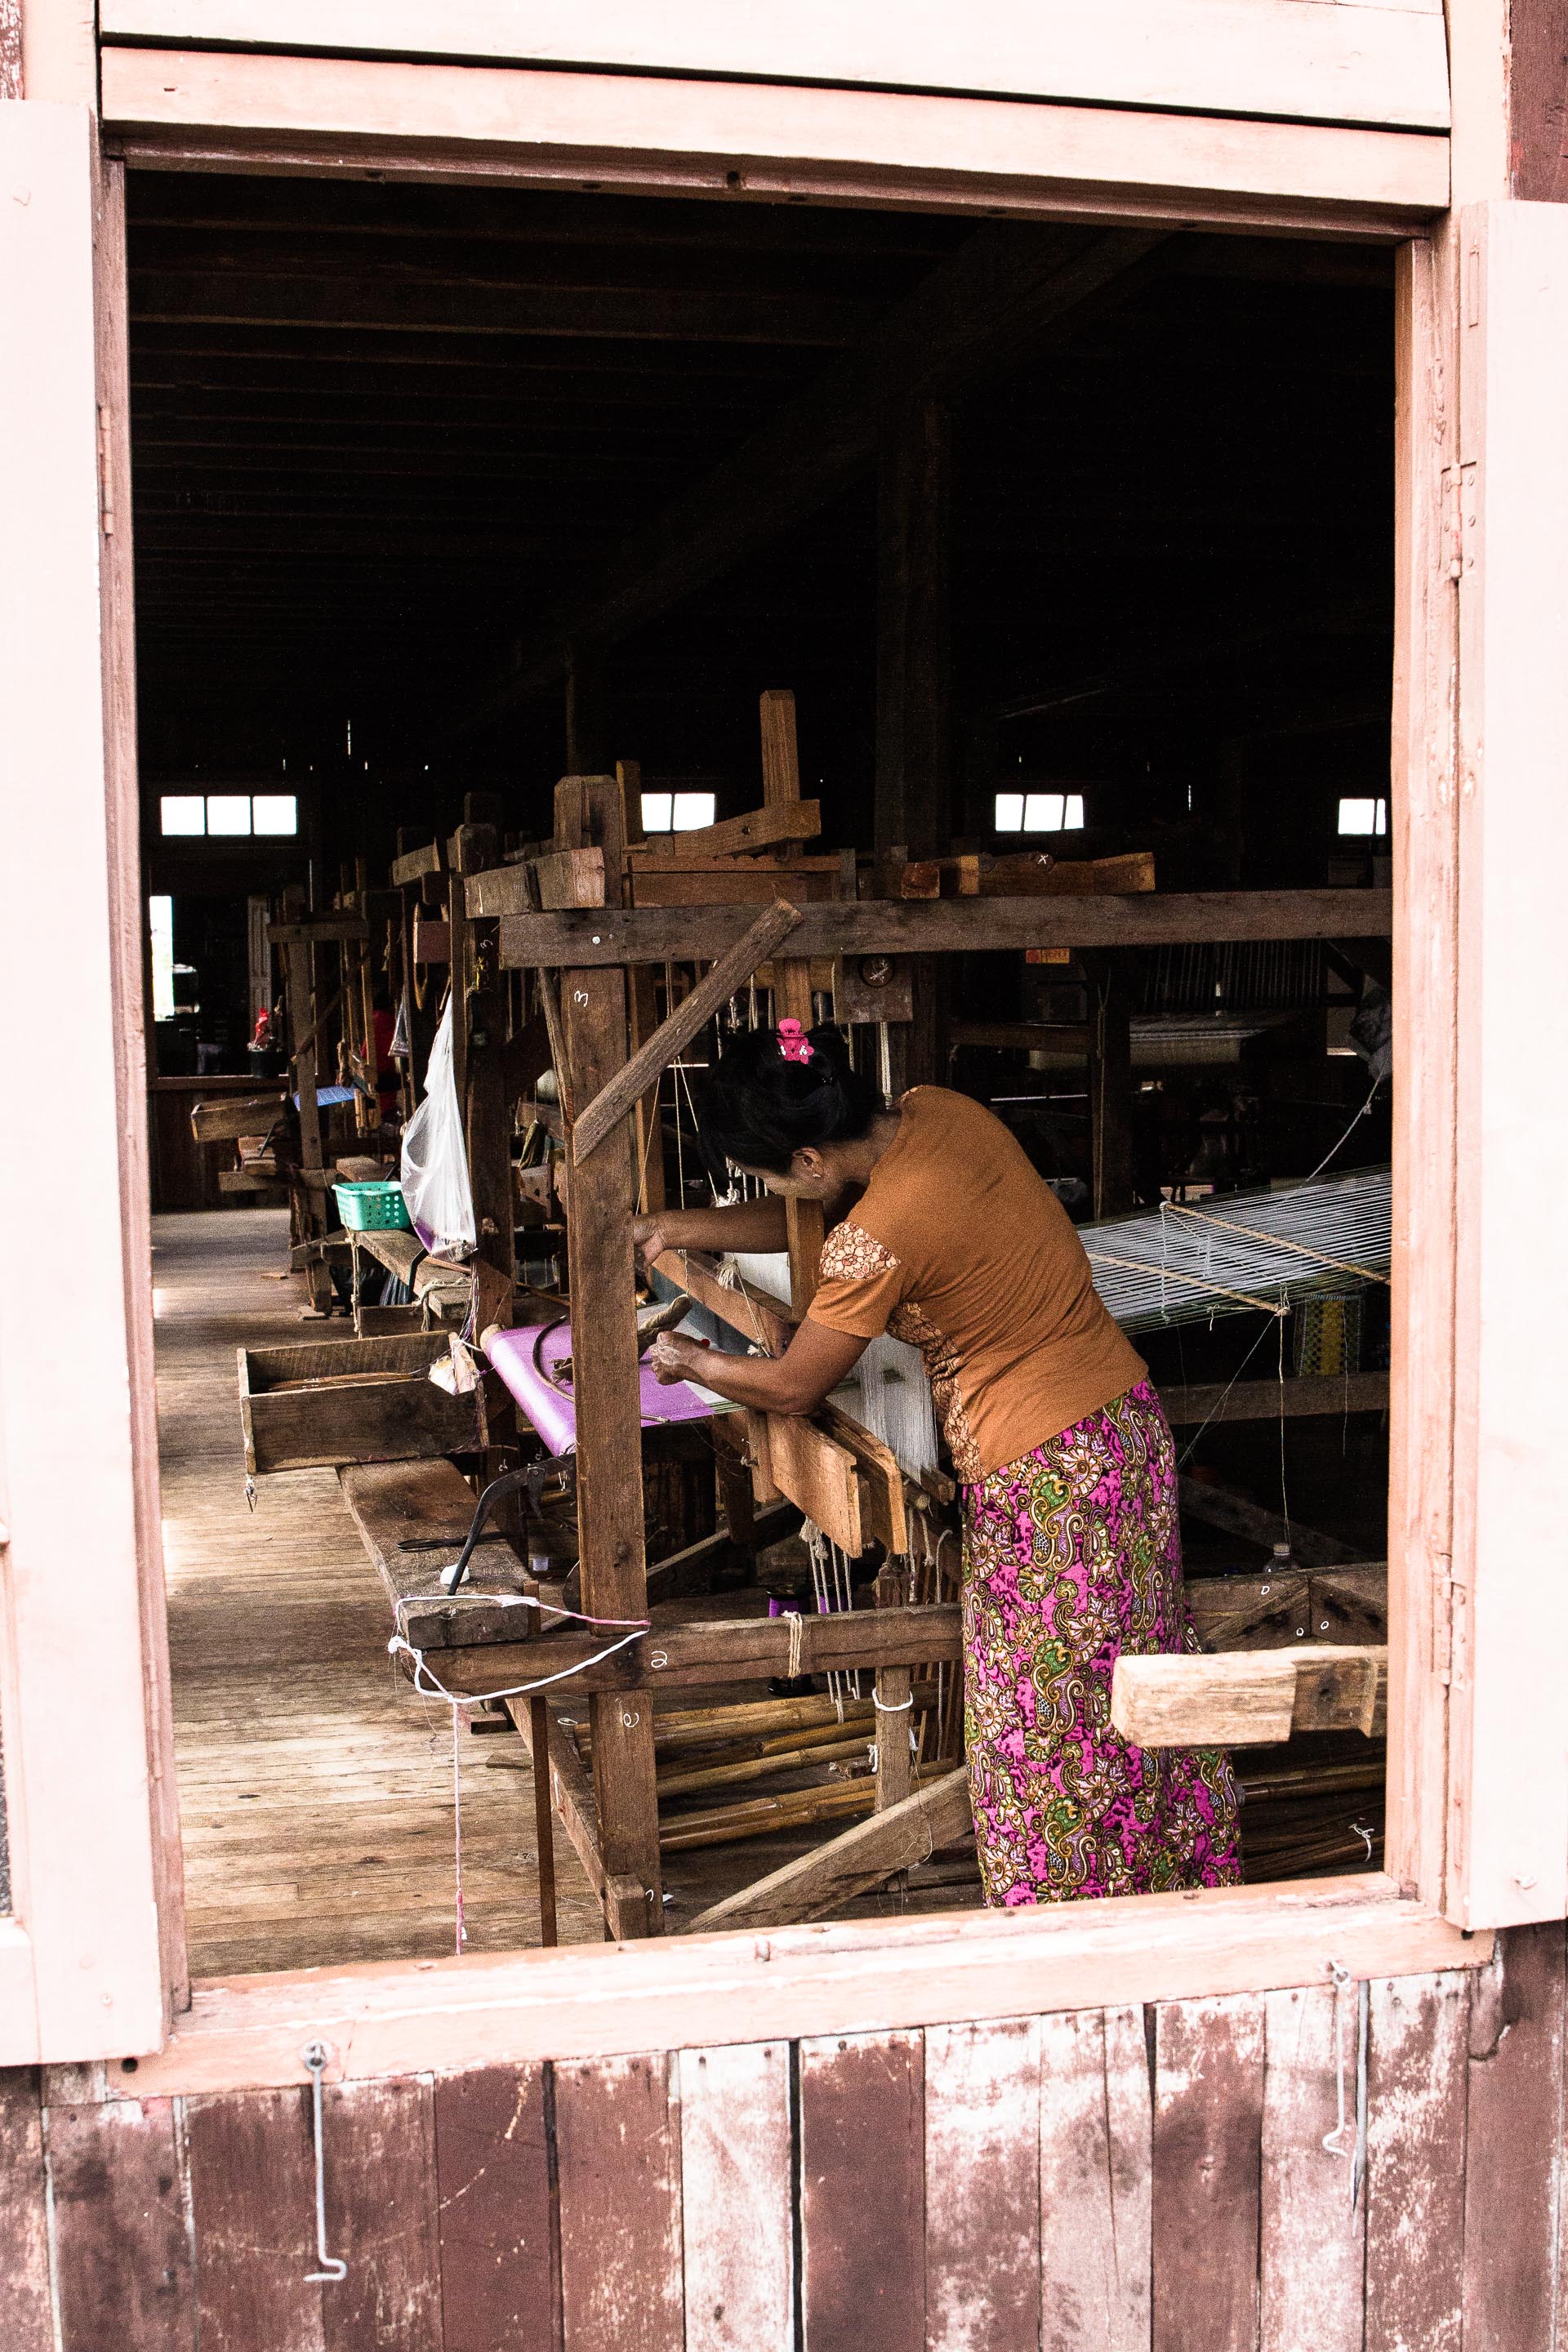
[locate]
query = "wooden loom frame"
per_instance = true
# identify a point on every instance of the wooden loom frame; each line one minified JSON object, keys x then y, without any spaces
{"x":597,"y":948}
{"x":246,"y":115}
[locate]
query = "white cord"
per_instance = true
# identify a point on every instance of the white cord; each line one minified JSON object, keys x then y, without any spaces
{"x":429,"y":1687}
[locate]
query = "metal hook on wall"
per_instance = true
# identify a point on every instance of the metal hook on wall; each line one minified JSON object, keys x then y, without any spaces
{"x":314,"y":2056}
{"x":1334,"y":2141}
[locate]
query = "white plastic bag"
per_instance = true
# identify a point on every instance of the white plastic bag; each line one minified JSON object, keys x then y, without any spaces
{"x":435,"y":1162}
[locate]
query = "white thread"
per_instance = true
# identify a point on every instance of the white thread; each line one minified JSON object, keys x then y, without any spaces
{"x":796,"y":1624}
{"x":429,"y":1687}
{"x":458,"y":1831}
{"x":883,"y":1708}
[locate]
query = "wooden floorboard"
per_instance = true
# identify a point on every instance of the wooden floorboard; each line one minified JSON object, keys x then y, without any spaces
{"x":315,"y":1787}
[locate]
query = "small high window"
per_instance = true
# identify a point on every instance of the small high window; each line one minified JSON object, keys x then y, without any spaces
{"x":1039,"y":813}
{"x":677,"y":811}
{"x":1367,"y":818}
{"x":220,"y":814}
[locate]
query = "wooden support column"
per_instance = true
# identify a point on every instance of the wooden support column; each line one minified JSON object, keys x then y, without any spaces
{"x":792,"y":982}
{"x":299,"y":963}
{"x":614,"y":1568}
{"x":895,"y":1777}
{"x":914,"y":718}
{"x":1110,"y":1084}
{"x":651,"y":1189}
{"x":488,"y":1104}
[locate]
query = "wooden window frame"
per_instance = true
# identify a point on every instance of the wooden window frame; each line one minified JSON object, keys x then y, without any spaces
{"x":229,"y":110}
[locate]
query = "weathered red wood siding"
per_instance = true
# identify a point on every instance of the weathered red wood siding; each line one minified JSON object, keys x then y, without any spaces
{"x":1109,"y":2180}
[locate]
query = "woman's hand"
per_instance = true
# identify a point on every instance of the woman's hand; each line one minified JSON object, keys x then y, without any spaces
{"x":672,"y":1358}
{"x":650,"y":1238}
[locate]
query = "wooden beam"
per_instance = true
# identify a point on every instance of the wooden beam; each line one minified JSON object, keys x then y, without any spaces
{"x":805,"y":1225}
{"x":727,"y":1650}
{"x":882,"y":1511}
{"x":820,"y":1477}
{"x":299,"y":963}
{"x":316,"y":928}
{"x":392,"y":1501}
{"x":588,"y":815}
{"x":1217,"y":1506}
{"x":571,"y":1791}
{"x":1248,"y":1698}
{"x":617,"y":1100}
{"x":948,"y":927}
{"x":762,"y":1321}
{"x":1004,"y":283}
{"x":230,"y":1117}
{"x":1109,"y":1086}
{"x":758,"y":829}
{"x":935,"y":1817}
{"x":1315,"y":1394}
{"x":415,"y":865}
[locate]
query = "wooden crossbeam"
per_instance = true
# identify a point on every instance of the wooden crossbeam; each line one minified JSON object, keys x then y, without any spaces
{"x":762,"y":1320}
{"x":793,"y":820}
{"x":728,"y":1650}
{"x":1247,"y":1698}
{"x":1314,"y":1395}
{"x":617,"y":1100}
{"x":614,"y":935}
{"x":313,"y":929}
{"x":936,"y":1816}
{"x":417,"y":865}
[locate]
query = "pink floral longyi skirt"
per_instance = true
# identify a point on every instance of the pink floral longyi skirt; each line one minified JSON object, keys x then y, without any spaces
{"x":1072,"y":1555}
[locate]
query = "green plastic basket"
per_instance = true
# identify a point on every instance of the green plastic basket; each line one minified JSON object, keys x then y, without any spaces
{"x":366,"y":1208}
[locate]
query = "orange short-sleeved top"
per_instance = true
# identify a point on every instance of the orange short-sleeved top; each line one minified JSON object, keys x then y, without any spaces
{"x":959,"y":1246}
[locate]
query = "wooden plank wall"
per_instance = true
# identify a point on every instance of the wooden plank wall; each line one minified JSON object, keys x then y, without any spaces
{"x":1117,"y":2181}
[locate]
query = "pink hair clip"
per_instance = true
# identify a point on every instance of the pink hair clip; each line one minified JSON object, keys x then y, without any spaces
{"x":794,"y":1044}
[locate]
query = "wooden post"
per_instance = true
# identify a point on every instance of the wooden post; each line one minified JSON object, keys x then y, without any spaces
{"x":299,"y":967}
{"x":1109,"y":1086}
{"x":792,"y":982}
{"x":651,"y":1190}
{"x":914,"y":724}
{"x":894,"y":1712}
{"x":488,"y":1101}
{"x":543,"y":1817}
{"x":614,"y":1568}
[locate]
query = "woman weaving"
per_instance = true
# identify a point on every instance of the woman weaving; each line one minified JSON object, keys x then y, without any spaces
{"x":947,"y":1237}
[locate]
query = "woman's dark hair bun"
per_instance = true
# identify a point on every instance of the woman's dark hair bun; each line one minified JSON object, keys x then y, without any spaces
{"x":760,"y":1108}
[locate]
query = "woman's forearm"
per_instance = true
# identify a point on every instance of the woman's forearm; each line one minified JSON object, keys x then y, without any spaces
{"x":745,"y":1225}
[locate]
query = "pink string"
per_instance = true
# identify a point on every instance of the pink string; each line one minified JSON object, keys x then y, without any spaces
{"x":457,"y":1829}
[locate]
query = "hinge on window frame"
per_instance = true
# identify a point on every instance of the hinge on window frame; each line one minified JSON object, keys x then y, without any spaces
{"x":105,"y":474}
{"x":1442,"y":1618}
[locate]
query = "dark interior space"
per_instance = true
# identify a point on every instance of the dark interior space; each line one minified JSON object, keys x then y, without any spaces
{"x":1067,"y":542}
{"x":393,"y":443}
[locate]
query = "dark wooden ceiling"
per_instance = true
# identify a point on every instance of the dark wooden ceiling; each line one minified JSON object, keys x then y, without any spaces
{"x":381,"y":432}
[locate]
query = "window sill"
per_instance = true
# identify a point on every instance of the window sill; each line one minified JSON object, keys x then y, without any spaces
{"x":590,"y":2001}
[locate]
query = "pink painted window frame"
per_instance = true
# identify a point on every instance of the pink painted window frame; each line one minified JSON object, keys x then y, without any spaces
{"x":275,"y":111}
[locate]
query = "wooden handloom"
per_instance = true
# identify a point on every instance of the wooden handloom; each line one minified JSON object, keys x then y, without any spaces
{"x":593,"y":914}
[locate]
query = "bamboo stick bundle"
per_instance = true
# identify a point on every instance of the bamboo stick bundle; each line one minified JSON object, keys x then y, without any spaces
{"x":760,"y":1768}
{"x":759,"y":1816}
